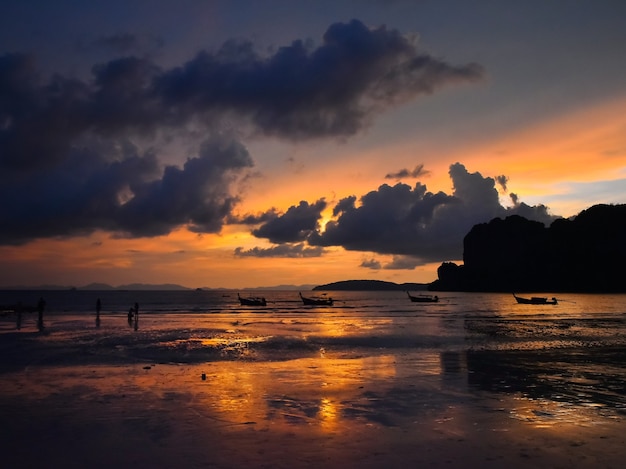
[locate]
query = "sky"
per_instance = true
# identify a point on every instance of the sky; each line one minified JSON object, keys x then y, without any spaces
{"x":240,"y":144}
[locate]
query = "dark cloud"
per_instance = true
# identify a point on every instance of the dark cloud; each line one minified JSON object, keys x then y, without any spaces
{"x":254,"y":219}
{"x":37,"y":123}
{"x":122,"y":100}
{"x":406,"y":173}
{"x":295,"y":225}
{"x":131,"y":196}
{"x":74,"y":143}
{"x":299,"y":250}
{"x":502,"y":182}
{"x":299,"y":92}
{"x":403,"y":263}
{"x":371,"y":264}
{"x":416,"y":225}
{"x":532,"y":212}
{"x":302,"y":91}
{"x":198,"y":195}
{"x":390,"y":220}
{"x":343,"y":205}
{"x":123,"y":43}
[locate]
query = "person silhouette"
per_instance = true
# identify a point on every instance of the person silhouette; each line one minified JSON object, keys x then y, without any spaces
{"x":41,"y":306}
{"x":98,"y":308}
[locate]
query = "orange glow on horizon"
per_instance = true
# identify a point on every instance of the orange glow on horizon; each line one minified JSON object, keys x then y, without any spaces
{"x":584,"y":146}
{"x":187,"y":259}
{"x":541,"y":159}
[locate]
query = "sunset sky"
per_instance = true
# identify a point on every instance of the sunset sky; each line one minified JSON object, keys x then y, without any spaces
{"x":255,"y":143}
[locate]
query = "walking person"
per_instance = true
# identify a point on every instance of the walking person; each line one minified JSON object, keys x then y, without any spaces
{"x":41,"y":306}
{"x":136,"y":316}
{"x":98,"y":308}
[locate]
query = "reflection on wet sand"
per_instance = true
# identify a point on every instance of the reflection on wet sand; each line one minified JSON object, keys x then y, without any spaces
{"x":567,"y":382}
{"x":541,"y":388}
{"x":479,"y":386}
{"x":318,"y":392}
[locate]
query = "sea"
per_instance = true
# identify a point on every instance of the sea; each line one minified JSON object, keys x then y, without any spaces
{"x":573,"y":353}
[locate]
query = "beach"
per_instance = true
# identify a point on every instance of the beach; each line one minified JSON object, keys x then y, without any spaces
{"x":334,"y":388}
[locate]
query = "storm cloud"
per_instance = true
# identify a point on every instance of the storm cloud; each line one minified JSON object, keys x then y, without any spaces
{"x":131,"y":196}
{"x":78,"y":155}
{"x":304,"y":92}
{"x":295,"y":225}
{"x":412,"y":224}
{"x":406,"y":221}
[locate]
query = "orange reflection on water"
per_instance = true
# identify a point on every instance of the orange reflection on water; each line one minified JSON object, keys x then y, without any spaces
{"x":328,"y":415}
{"x":303,"y":392}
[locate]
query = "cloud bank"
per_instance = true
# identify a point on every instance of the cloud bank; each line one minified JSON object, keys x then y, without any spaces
{"x":78,"y":155}
{"x":412,"y":224}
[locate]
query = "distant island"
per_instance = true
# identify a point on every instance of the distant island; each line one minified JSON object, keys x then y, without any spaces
{"x":370,"y":285}
{"x":585,"y":254}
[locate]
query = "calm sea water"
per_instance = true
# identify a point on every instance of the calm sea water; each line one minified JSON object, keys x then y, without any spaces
{"x":363,"y":320}
{"x":563,"y":361}
{"x":376,"y":302}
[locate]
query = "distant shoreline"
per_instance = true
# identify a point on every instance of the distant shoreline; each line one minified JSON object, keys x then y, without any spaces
{"x":345,"y":285}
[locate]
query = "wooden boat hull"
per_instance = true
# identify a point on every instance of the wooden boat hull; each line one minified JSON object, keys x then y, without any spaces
{"x":316,"y":301}
{"x":423,"y":298}
{"x":252,"y":301}
{"x":535,"y":300}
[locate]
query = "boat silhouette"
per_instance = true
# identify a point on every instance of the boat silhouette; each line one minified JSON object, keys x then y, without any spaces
{"x":316,"y":301}
{"x":423,"y":298}
{"x":535,"y":300}
{"x":252,"y":300}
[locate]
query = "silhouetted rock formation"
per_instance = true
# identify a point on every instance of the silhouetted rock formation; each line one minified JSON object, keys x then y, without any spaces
{"x":584,"y":254}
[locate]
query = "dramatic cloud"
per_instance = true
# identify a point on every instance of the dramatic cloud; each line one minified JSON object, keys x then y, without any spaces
{"x":131,"y":196}
{"x":78,"y":155}
{"x":295,"y":225}
{"x":405,"y":173}
{"x":282,"y":250}
{"x":390,"y":220}
{"x":304,"y":92}
{"x":197,"y":196}
{"x":417,"y":225}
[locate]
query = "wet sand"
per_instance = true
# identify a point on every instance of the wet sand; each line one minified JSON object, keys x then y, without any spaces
{"x":307,"y":390}
{"x":385,"y":411}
